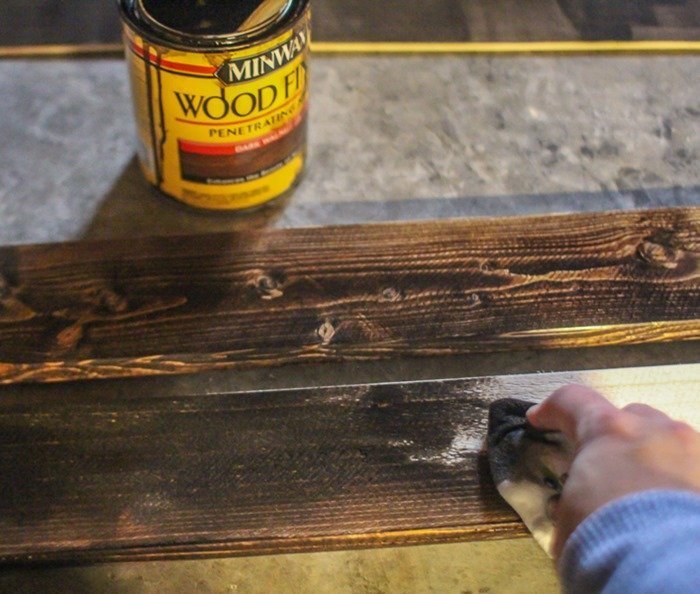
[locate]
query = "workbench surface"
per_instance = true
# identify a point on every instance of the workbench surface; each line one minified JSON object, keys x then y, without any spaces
{"x":391,"y":139}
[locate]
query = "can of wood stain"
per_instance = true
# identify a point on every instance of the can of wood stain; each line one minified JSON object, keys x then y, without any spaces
{"x":220,"y":97}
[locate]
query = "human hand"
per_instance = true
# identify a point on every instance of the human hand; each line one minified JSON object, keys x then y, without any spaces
{"x":617,"y":452}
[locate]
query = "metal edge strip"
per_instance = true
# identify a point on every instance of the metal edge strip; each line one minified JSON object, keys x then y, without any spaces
{"x":438,"y":47}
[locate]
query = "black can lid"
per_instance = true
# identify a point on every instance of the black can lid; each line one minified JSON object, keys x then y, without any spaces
{"x":213,"y":21}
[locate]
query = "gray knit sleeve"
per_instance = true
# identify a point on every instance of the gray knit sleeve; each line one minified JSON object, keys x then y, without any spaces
{"x":646,"y":543}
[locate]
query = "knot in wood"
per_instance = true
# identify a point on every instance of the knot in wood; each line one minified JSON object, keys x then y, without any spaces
{"x":473,"y":299}
{"x":68,"y":338}
{"x":657,"y":254}
{"x":267,"y":287}
{"x":326,"y":332}
{"x":4,"y":287}
{"x":111,"y":302}
{"x":391,"y":294}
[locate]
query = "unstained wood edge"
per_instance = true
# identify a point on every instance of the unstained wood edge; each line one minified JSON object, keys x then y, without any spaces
{"x":278,"y":546}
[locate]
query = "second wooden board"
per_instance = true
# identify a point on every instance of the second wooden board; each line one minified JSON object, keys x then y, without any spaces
{"x":143,"y":476}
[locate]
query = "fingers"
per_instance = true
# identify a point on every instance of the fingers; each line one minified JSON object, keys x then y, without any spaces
{"x":578,"y":412}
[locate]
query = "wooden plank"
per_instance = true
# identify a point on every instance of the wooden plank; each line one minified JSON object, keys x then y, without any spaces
{"x":65,"y":22}
{"x":643,"y":32}
{"x":143,"y":476}
{"x":389,"y":20}
{"x":185,"y":304}
{"x":96,"y":22}
{"x":606,"y":19}
{"x":677,"y":16}
{"x":516,"y":19}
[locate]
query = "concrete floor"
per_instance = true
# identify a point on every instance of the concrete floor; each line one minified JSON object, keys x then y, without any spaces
{"x":392,"y":138}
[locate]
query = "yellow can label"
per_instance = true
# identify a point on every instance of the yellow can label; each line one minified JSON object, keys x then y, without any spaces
{"x":223,"y":130}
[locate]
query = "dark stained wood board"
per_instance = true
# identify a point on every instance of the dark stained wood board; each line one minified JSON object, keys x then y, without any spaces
{"x":97,"y":21}
{"x":141,"y":476}
{"x":185,"y":304}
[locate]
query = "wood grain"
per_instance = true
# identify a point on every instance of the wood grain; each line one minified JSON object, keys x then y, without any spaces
{"x":96,"y":22}
{"x":143,"y":476}
{"x":514,"y":19}
{"x":185,"y":304}
{"x":390,"y":20}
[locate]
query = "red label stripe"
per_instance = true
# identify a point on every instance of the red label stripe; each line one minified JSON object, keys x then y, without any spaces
{"x":178,"y":66}
{"x":205,"y":148}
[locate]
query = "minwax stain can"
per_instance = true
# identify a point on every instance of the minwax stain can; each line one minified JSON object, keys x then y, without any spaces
{"x":220,"y":97}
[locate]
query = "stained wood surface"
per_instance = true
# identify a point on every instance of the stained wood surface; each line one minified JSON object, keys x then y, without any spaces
{"x":184,"y":304}
{"x":97,"y":21}
{"x":142,"y":476}
{"x":514,"y":19}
